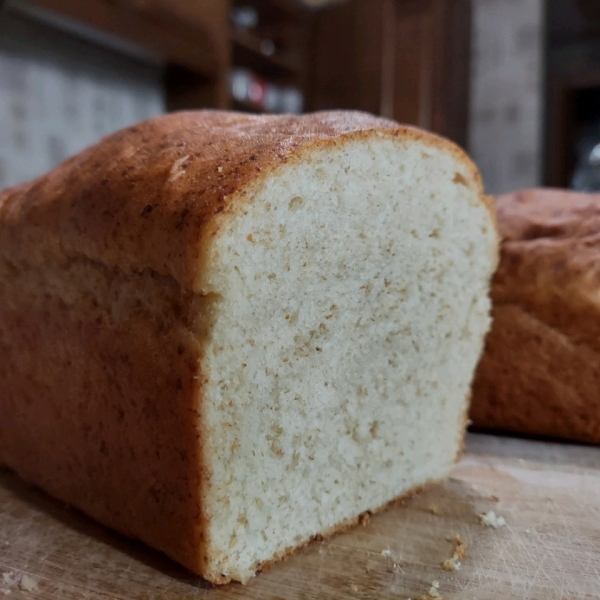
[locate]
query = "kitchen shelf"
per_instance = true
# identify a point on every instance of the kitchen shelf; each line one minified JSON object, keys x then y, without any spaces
{"x":238,"y":105}
{"x":287,"y":24}
{"x":278,"y":9}
{"x":274,"y":65}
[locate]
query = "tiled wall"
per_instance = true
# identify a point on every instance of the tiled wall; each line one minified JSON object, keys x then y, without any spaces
{"x":505,"y":137}
{"x":59,"y":95}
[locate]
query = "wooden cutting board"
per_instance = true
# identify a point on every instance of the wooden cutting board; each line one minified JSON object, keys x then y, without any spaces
{"x":549,"y":495}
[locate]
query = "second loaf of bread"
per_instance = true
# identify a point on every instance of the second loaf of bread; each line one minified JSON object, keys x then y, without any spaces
{"x":540,"y":373}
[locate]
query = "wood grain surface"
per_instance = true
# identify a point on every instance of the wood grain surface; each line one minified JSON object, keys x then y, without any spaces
{"x":549,"y":548}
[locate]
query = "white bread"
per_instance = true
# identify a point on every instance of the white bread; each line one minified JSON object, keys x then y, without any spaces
{"x":225,"y":334}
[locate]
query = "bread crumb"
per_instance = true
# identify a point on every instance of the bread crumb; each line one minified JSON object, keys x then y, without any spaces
{"x":364,"y":519}
{"x":527,"y":531}
{"x":434,"y":592}
{"x":354,"y":587}
{"x":451,"y":564}
{"x":491,"y":519}
{"x":433,"y":509}
{"x":460,"y":553}
{"x":461,"y":547}
{"x":388,"y":554}
{"x":494,"y":498}
{"x":12,"y":579}
{"x":28,"y":583}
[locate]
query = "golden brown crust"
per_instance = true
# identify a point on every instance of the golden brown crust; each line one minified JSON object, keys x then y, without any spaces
{"x":550,"y":263}
{"x":466,"y":420}
{"x":149,"y":196}
{"x":98,"y":398}
{"x":534,"y":380}
{"x":540,"y":373}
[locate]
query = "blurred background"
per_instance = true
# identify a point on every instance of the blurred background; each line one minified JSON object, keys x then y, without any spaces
{"x":515,"y":82}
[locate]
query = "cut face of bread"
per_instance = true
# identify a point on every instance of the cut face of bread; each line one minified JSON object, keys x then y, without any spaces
{"x":352,"y":292}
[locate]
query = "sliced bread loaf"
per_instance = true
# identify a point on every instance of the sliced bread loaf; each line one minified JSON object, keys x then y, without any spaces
{"x":226,"y":334}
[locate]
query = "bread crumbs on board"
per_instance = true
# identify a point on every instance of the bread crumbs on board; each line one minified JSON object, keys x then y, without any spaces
{"x":28,"y":583}
{"x":24,"y":582}
{"x":460,"y":553}
{"x":491,"y":519}
{"x":434,"y":592}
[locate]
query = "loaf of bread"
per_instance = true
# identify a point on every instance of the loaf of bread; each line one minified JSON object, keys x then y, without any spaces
{"x":226,"y":334}
{"x":540,"y":373}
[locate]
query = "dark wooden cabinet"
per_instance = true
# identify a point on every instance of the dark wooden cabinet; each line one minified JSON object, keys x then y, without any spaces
{"x":189,"y":37}
{"x":180,"y":31}
{"x":197,"y":43}
{"x":403,"y":59}
{"x":412,"y":39}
